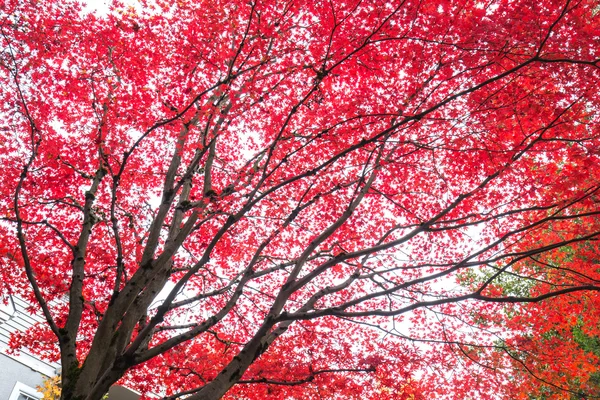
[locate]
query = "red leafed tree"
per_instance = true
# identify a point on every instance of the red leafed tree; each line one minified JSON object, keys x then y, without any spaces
{"x":553,"y":347}
{"x":267,"y":199}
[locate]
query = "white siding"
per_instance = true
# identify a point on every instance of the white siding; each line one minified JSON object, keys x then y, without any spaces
{"x":15,"y":317}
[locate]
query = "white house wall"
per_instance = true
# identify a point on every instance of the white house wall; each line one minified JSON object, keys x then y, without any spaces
{"x":12,"y":371}
{"x":14,"y":317}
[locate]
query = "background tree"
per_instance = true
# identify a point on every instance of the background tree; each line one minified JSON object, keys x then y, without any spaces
{"x":554,"y":347}
{"x":243,"y":199}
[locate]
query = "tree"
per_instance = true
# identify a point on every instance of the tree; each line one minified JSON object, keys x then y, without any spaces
{"x":554,"y":346}
{"x":274,"y":199}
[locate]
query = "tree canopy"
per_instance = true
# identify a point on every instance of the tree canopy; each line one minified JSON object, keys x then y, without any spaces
{"x":300,"y":199}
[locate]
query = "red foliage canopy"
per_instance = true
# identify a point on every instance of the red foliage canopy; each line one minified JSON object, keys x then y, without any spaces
{"x":553,"y":346}
{"x":268,"y":199}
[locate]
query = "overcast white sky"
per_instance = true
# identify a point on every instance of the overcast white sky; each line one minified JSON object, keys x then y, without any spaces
{"x":100,"y":6}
